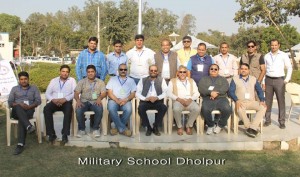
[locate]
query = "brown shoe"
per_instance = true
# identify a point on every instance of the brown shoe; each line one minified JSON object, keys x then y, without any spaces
{"x":126,"y":133}
{"x":179,"y":131}
{"x":114,"y":131}
{"x":189,"y":131}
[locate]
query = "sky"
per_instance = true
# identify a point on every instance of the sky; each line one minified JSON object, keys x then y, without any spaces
{"x":210,"y":14}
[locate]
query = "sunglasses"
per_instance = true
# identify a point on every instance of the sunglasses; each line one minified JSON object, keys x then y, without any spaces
{"x":122,"y":69}
{"x":186,"y":41}
{"x":214,"y":69}
{"x":182,"y":71}
{"x":251,"y":46}
{"x":153,"y":71}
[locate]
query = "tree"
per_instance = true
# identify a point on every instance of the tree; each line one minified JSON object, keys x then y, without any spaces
{"x":187,"y":25}
{"x":11,"y":24}
{"x":269,"y":12}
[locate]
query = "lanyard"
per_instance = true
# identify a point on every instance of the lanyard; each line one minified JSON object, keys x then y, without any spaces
{"x":26,"y":92}
{"x":273,"y":58}
{"x":121,"y":82}
{"x":92,"y":86}
{"x":245,"y":82}
{"x":200,"y":59}
{"x":61,"y":86}
{"x":91,"y":57}
{"x":140,"y":53}
{"x":225,"y":63}
{"x":165,"y":57}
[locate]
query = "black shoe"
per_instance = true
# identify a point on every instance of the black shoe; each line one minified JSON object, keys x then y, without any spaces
{"x":149,"y":131}
{"x":241,"y":122}
{"x":251,"y":133}
{"x":19,"y":149}
{"x":155,"y":131}
{"x":52,"y":138}
{"x":282,"y":126}
{"x":266,"y":124}
{"x":64,"y":139}
{"x":31,"y":129}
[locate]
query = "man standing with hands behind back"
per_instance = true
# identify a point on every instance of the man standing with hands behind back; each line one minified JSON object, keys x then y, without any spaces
{"x":276,"y":61}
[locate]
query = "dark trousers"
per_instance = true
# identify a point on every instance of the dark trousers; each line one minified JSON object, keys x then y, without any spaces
{"x":275,"y":85}
{"x":23,"y":116}
{"x":221,"y":104}
{"x":147,"y":105}
{"x":50,"y":108}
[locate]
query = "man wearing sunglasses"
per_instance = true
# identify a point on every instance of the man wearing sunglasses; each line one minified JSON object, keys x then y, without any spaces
{"x":227,"y":62}
{"x":121,"y":90}
{"x":166,"y":61}
{"x":186,"y":52}
{"x":151,"y":91}
{"x":184,"y":91}
{"x":213,"y":90}
{"x":255,"y":60}
{"x":199,"y":64}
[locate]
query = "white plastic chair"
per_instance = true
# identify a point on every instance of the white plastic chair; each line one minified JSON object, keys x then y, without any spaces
{"x":293,"y":90}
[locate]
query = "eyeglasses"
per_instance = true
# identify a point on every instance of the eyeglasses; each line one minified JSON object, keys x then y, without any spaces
{"x":182,"y":71}
{"x":214,"y":69}
{"x":153,"y":71}
{"x":122,"y":69}
{"x":186,"y":41}
{"x":251,"y":46}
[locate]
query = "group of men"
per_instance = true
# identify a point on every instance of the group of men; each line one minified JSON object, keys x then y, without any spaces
{"x":182,"y":76}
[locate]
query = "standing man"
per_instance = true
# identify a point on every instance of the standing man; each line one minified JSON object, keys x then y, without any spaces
{"x":199,"y":64}
{"x":114,"y":59}
{"x":139,"y":58}
{"x":186,"y":52}
{"x":121,"y":90}
{"x":92,"y":91}
{"x":91,"y":56}
{"x":276,"y":61}
{"x":23,"y":98}
{"x":242,"y":91}
{"x":227,"y":62}
{"x":213,"y":90}
{"x":60,"y":94}
{"x":166,"y":61}
{"x":255,"y":60}
{"x":151,"y":91}
{"x":184,"y":92}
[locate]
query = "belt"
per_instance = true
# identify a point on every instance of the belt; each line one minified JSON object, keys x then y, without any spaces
{"x":112,"y":74}
{"x":228,"y":77}
{"x":275,"y":77}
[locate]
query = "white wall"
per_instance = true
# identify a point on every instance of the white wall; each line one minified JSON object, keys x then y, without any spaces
{"x":6,"y":47}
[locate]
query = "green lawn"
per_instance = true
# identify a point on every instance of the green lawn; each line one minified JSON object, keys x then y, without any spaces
{"x":48,"y":160}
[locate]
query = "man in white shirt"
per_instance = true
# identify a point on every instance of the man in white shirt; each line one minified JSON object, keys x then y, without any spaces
{"x":139,"y":59}
{"x":151,"y":91}
{"x":226,"y":62}
{"x":184,"y":91}
{"x":60,"y":94}
{"x":276,"y":61}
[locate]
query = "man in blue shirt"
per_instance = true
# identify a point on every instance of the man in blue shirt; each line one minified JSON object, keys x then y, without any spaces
{"x":114,"y":59}
{"x":121,"y":90}
{"x":91,"y":56}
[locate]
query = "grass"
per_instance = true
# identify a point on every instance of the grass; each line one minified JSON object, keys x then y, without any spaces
{"x":48,"y":160}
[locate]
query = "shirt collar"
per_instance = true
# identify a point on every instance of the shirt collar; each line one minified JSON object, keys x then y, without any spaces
{"x":241,"y":77}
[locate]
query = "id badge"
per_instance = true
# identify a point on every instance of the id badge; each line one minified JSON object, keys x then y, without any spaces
{"x":200,"y":68}
{"x":60,"y":95}
{"x":26,"y":102}
{"x":94,"y":96}
{"x":211,"y":87}
{"x":226,"y":72}
{"x":247,"y":95}
{"x":122,"y":91}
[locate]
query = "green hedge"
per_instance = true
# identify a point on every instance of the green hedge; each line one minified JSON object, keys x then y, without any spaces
{"x":41,"y":74}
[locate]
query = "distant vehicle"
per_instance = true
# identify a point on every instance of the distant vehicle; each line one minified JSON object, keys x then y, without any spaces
{"x":29,"y":59}
{"x":55,"y":60}
{"x":68,"y":60}
{"x":40,"y":58}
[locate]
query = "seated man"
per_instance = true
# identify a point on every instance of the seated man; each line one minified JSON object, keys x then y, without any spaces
{"x":91,"y":91}
{"x":121,"y":90}
{"x":241,"y":90}
{"x":23,"y":98}
{"x":213,"y":90}
{"x":184,"y":91}
{"x":151,"y":91}
{"x":60,"y":94}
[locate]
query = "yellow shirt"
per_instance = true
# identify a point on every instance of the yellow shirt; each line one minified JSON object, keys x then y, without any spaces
{"x":185,"y":56}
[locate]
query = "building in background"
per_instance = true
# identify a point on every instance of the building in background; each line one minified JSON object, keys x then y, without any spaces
{"x":6,"y":47}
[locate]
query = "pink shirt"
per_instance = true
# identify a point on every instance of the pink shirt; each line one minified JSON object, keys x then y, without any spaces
{"x":228,"y":65}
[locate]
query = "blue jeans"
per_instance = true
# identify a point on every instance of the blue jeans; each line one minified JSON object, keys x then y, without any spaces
{"x":121,"y":121}
{"x":89,"y":107}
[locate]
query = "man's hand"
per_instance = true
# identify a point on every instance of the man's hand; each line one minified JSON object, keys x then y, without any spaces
{"x":123,"y":101}
{"x":152,"y":99}
{"x":55,"y":101}
{"x":214,"y":94}
{"x":98,"y":102}
{"x":263,"y":103}
{"x":25,"y":106}
{"x":79,"y":104}
{"x":238,"y":105}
